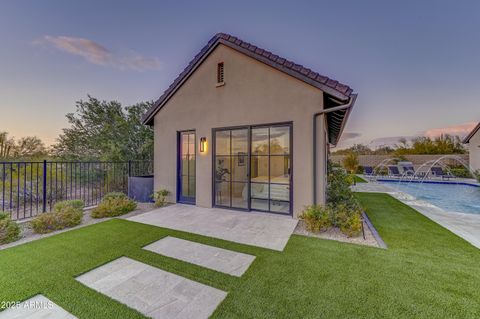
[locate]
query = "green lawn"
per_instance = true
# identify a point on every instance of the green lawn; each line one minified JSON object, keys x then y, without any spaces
{"x":427,"y":272}
{"x":358,"y":179}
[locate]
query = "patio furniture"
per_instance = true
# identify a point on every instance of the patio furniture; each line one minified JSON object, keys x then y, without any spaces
{"x":408,"y":170}
{"x":437,"y":171}
{"x":368,"y":171}
{"x":393,"y":171}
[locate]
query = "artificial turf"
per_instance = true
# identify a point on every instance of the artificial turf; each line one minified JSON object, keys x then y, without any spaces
{"x":426,"y":272}
{"x":358,"y":179}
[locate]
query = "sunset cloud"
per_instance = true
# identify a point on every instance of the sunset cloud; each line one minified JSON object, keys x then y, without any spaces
{"x":459,"y":130}
{"x":95,"y":53}
{"x":350,"y":135}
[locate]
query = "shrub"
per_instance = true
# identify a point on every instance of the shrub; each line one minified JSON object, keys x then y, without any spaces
{"x":317,"y":218}
{"x":477,"y":175}
{"x":360,"y":169}
{"x":65,"y":214}
{"x":461,"y":172}
{"x":9,"y":230}
{"x":350,"y":162}
{"x":113,"y":204}
{"x":75,"y":203}
{"x":348,"y":219}
{"x":160,"y":197}
{"x":115,"y":195}
{"x":338,"y":188}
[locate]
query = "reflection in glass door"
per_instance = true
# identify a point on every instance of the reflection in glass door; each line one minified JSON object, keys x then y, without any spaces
{"x":253,"y":168}
{"x":231,"y":168}
{"x":270,"y":169}
{"x":186,"y":167}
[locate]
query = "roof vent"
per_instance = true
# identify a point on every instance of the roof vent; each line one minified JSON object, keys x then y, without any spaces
{"x":220,"y":74}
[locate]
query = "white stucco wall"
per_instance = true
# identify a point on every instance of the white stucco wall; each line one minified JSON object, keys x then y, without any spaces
{"x":474,"y":149}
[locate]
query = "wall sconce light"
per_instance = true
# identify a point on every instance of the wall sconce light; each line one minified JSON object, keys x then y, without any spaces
{"x":203,"y":144}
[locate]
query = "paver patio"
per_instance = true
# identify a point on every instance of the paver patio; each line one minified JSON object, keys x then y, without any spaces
{"x":256,"y":229}
{"x":37,"y":307}
{"x":153,"y":292}
{"x":223,"y":260}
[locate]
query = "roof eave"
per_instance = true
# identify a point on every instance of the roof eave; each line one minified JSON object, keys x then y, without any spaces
{"x":353,"y":98}
{"x":471,"y":134}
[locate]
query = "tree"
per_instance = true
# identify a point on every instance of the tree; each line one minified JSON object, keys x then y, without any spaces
{"x":350,"y":162}
{"x":29,"y":147}
{"x":26,"y":148}
{"x":101,"y":130}
{"x":443,"y":144}
{"x":6,"y":145}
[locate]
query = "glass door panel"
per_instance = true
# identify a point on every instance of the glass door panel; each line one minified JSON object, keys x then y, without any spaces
{"x":186,"y":170}
{"x":231,"y":168}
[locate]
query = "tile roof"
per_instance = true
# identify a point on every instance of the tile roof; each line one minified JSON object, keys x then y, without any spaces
{"x":332,"y":87}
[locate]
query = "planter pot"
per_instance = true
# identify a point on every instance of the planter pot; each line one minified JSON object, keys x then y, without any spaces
{"x":140,"y":188}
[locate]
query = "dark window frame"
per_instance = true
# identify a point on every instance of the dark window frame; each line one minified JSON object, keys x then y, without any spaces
{"x":250,"y":154}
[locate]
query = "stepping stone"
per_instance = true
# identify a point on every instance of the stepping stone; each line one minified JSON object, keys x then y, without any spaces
{"x":37,"y":307}
{"x":153,"y":292}
{"x":222,"y":260}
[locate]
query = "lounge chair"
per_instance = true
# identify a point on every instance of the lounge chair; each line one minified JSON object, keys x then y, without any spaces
{"x":437,"y":171}
{"x":408,"y":170}
{"x":368,"y":171}
{"x":393,"y":171}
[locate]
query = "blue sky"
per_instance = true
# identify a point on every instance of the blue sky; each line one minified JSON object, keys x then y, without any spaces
{"x":415,"y":64}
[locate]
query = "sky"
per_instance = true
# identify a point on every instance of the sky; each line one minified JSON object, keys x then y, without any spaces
{"x":414,"y":64}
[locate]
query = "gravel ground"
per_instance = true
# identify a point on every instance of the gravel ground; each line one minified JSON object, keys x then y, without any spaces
{"x":336,"y":234}
{"x":28,"y":235}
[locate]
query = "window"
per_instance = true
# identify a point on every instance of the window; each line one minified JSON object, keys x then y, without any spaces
{"x":220,"y":73}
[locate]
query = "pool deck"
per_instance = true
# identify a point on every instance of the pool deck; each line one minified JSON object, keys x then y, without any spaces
{"x":466,"y":226}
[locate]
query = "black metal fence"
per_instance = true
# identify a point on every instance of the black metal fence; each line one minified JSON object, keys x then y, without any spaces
{"x":29,"y":188}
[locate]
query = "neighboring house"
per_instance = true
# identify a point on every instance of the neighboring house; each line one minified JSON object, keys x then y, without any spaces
{"x":473,"y":141}
{"x":243,"y":128}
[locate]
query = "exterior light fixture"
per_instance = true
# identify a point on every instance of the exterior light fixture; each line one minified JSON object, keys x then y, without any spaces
{"x":203,"y":144}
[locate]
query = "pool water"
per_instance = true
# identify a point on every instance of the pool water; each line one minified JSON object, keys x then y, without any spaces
{"x":450,"y":197}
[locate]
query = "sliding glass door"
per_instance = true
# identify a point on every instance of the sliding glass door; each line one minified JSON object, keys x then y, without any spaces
{"x":253,"y":168}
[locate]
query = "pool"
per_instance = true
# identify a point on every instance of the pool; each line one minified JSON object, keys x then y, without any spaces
{"x":462,"y":198}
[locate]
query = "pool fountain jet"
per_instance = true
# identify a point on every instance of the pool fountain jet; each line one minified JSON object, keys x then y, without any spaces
{"x":384,"y":164}
{"x":424,"y":170}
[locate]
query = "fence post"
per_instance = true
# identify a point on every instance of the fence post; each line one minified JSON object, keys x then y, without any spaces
{"x":129,"y":168}
{"x":44,"y":204}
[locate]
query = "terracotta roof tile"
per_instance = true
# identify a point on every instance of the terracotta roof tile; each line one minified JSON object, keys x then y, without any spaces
{"x":274,"y":57}
{"x":305,"y":71}
{"x":297,"y":67}
{"x":342,"y":88}
{"x":266,"y":53}
{"x":322,"y":79}
{"x":332,"y":83}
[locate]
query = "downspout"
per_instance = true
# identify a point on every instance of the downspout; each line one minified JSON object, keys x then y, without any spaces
{"x":345,"y":106}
